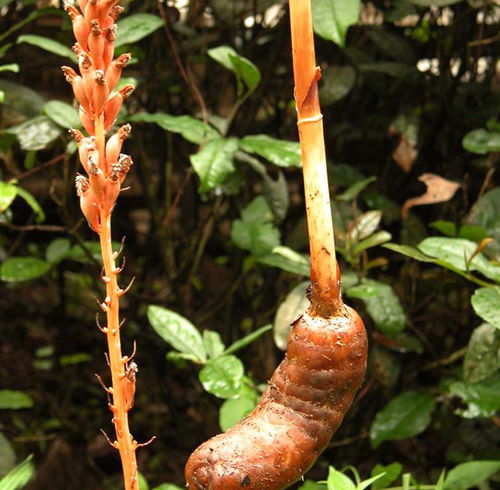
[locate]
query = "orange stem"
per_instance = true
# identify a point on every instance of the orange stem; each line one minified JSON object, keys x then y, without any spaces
{"x":325,"y":296}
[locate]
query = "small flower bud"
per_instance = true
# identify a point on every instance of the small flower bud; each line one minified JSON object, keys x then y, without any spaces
{"x":96,"y":175}
{"x":125,"y":162}
{"x":113,"y":105}
{"x":87,"y":71}
{"x":101,"y":92}
{"x":109,"y":45}
{"x":115,"y":143}
{"x":85,"y":146}
{"x":76,"y":82}
{"x":82,"y":4}
{"x":114,"y":71}
{"x":112,"y":188}
{"x":76,"y":134}
{"x":88,"y":202}
{"x":87,"y":121}
{"x":116,"y":11}
{"x":96,"y":43}
{"x":80,"y":28}
{"x":90,"y":12}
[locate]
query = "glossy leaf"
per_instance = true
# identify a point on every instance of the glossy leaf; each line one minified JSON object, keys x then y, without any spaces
{"x":411,"y":252}
{"x":287,"y":259}
{"x":332,"y":18}
{"x":63,"y":114}
{"x":188,"y":127}
{"x":135,"y":27}
{"x":482,"y":398}
{"x":243,"y":68}
{"x":277,"y":195}
{"x":390,"y":473}
{"x":294,"y":305}
{"x":382,"y":305}
{"x":36,"y":133}
{"x":374,"y":240}
{"x":470,"y":474}
{"x":279,"y":152}
{"x":8,"y":193}
{"x":178,"y":331}
{"x":15,"y":400}
{"x":405,"y":416}
{"x":214,"y":347}
{"x":355,"y":189}
{"x":48,"y":45}
{"x":364,"y":225}
{"x":21,"y":99}
{"x":234,"y":409}
{"x":247,"y":339}
{"x":222,"y":376}
{"x":19,"y":476}
{"x":214,"y":163}
{"x":482,"y":358}
{"x":13,"y":67}
{"x":32,"y":203}
{"x":339,"y":481}
{"x":19,"y":269}
{"x":486,"y":304}
{"x":57,"y":250}
{"x":481,"y":141}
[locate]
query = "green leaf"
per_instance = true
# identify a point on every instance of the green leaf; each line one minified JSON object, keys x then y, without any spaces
{"x":143,"y":483}
{"x":456,"y":252}
{"x":71,"y":359}
{"x":14,"y":400}
{"x":277,"y":195}
{"x":167,"y":486}
{"x":374,"y":240}
{"x":486,"y":304}
{"x":135,"y":27}
{"x":63,"y":114}
{"x":414,"y":253}
{"x":32,"y":203}
{"x":247,"y":339}
{"x":19,"y":269}
{"x":355,"y":189}
{"x":19,"y":476}
{"x":234,"y":409}
{"x":481,"y":141}
{"x":8,"y":193}
{"x":178,"y":331}
{"x":243,"y":68}
{"x":382,"y":305}
{"x":482,"y":357}
{"x":57,"y":250}
{"x":390,"y":473}
{"x":338,"y":481}
{"x":294,"y":305}
{"x":21,"y":99}
{"x":188,"y":127}
{"x":337,"y":82}
{"x":7,"y":456}
{"x":13,"y":67}
{"x":311,"y":485}
{"x":36,"y":133}
{"x":214,"y":162}
{"x":405,"y":416}
{"x":48,"y":45}
{"x":222,"y":376}
{"x":279,"y":152}
{"x":470,"y":474}
{"x":286,"y":259}
{"x":214,"y":347}
{"x":482,"y":398}
{"x":364,"y":225}
{"x":332,"y":18}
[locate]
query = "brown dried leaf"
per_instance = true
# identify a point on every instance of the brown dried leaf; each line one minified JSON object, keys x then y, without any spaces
{"x":439,"y":189}
{"x":405,"y":153}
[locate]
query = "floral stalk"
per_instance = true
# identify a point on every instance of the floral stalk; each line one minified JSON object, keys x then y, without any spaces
{"x":105,"y":167}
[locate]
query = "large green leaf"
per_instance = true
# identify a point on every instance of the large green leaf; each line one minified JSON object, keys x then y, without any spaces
{"x":255,"y":231}
{"x":8,"y":193}
{"x":382,"y":305}
{"x":135,"y":27}
{"x":332,"y":18}
{"x":214,"y":163}
{"x":482,"y":398}
{"x":405,"y":416}
{"x":486,"y":304}
{"x":390,"y":474}
{"x":19,"y":476}
{"x":287,"y":259}
{"x":234,"y":409}
{"x":470,"y":474}
{"x":482,"y":141}
{"x":36,"y":133}
{"x":339,"y":481}
{"x":222,"y":376}
{"x":57,"y":250}
{"x":63,"y":114}
{"x":482,"y":359}
{"x":337,"y":82}
{"x":21,"y":99}
{"x":280,"y":152}
{"x":48,"y":45}
{"x":178,"y":331}
{"x":456,"y":252}
{"x":243,"y":68}
{"x":14,"y":400}
{"x":190,"y":128}
{"x":19,"y":269}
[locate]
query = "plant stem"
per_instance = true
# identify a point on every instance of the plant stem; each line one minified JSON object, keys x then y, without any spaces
{"x":325,"y":295}
{"x":124,"y":440}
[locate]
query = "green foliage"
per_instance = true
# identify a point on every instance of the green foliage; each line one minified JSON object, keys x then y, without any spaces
{"x":331,"y":18}
{"x":14,"y":400}
{"x":19,"y":476}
